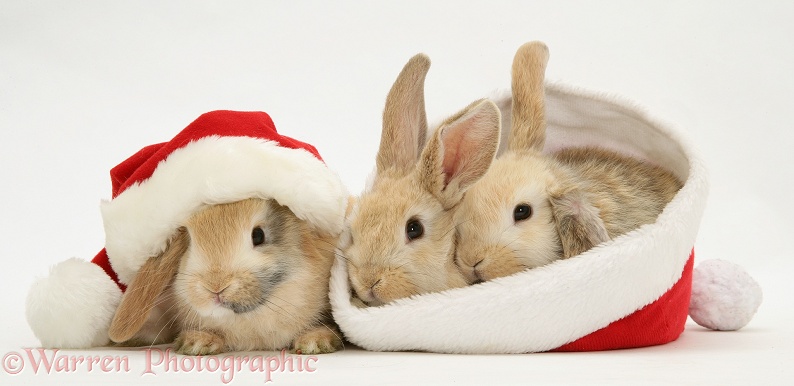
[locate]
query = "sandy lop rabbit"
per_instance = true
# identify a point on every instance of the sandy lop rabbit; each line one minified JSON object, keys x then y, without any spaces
{"x":401,"y":238}
{"x":531,"y":209}
{"x":247,"y":275}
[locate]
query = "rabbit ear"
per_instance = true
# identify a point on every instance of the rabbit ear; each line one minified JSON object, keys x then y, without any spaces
{"x":460,"y":152}
{"x":404,"y":119}
{"x":528,"y":130}
{"x":578,"y":222}
{"x":148,"y":284}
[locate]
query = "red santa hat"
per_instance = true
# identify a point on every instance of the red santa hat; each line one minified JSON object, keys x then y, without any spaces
{"x":633,"y":291}
{"x":223,"y":156}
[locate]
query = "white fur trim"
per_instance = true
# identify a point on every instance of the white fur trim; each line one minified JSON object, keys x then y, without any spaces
{"x":545,"y":308}
{"x":73,"y":307}
{"x":214,"y":170}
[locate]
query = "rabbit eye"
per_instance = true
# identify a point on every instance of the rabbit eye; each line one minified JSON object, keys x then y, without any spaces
{"x":258,"y":236}
{"x":414,"y":229}
{"x":522,"y":212}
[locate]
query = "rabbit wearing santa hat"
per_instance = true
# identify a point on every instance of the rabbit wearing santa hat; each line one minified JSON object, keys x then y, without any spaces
{"x":221,"y":237}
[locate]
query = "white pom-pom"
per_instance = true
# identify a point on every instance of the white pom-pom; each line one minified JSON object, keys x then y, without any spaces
{"x":724,"y":296}
{"x":72,"y":308}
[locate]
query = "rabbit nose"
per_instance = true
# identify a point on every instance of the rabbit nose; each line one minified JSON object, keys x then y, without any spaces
{"x":217,"y":291}
{"x":477,"y":275}
{"x":370,"y":295}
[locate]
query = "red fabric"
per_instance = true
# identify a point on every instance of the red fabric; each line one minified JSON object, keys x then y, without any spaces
{"x":223,"y":123}
{"x":657,"y":323}
{"x":101,"y":259}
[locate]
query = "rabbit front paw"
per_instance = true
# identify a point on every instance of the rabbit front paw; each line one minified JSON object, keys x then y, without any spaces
{"x":195,"y":342}
{"x":318,"y":340}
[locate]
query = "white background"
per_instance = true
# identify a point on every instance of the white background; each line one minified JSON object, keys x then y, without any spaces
{"x":85,"y":84}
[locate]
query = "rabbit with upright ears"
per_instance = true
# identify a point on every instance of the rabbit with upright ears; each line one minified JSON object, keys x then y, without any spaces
{"x":401,"y":236}
{"x":531,"y":208}
{"x":222,"y":238}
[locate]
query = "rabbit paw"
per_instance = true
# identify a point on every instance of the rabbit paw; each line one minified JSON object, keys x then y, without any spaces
{"x":195,"y":342}
{"x":318,"y":340}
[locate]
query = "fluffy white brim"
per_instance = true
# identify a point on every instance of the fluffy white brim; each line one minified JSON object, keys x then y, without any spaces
{"x":212,"y":170}
{"x":73,"y":307}
{"x":545,"y":308}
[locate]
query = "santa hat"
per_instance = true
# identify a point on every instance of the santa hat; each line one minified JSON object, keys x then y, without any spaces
{"x":223,"y":156}
{"x":632,"y":291}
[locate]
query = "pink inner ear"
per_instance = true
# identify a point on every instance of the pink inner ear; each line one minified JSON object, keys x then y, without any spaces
{"x":467,"y":145}
{"x":456,"y":146}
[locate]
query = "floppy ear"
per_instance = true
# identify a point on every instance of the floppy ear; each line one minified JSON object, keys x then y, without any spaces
{"x":528,"y":130}
{"x":404,"y":119}
{"x":460,"y":152}
{"x":578,"y":222}
{"x":148,"y":284}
